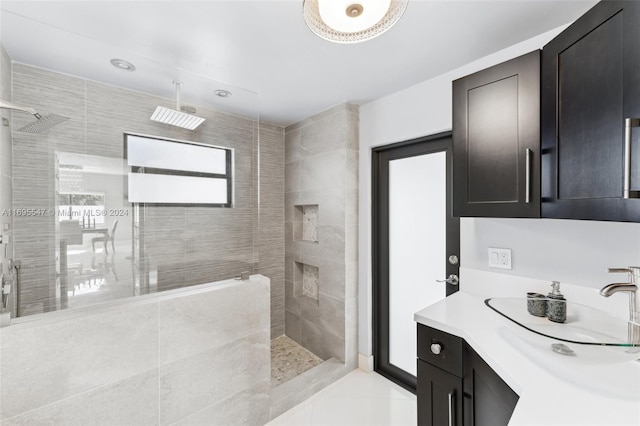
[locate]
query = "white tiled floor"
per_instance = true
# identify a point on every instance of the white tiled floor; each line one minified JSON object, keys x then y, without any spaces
{"x":359,"y":398}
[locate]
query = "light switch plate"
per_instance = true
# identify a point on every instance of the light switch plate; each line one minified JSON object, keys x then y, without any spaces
{"x":499,"y":258}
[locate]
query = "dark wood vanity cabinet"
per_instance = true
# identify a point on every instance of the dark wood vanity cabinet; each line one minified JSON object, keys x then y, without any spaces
{"x":496,"y":140}
{"x":439,"y":384}
{"x":439,"y":396}
{"x":590,"y":86}
{"x":456,"y":386}
{"x":488,"y":400}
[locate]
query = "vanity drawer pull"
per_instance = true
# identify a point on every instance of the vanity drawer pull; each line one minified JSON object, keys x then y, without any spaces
{"x":452,"y":413}
{"x":440,"y":349}
{"x":436,"y":348}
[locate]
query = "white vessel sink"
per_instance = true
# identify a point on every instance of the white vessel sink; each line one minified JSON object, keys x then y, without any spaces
{"x":597,"y":349}
{"x":584,"y":325}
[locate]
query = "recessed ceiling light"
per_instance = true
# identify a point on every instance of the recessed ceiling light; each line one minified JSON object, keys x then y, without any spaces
{"x":123,"y":65}
{"x":223,"y":93}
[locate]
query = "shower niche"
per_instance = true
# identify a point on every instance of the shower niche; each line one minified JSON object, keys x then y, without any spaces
{"x":306,"y":281}
{"x":305,"y":223}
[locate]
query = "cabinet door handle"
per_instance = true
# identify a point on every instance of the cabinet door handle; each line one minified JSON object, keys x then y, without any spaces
{"x":527,"y":183}
{"x":452,"y":413}
{"x":629,"y":123}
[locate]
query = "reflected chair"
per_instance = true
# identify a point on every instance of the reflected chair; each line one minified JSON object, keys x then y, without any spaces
{"x":104,"y":267}
{"x":108,"y":236}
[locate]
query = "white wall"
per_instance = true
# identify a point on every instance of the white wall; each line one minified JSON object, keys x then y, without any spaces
{"x":577,"y":252}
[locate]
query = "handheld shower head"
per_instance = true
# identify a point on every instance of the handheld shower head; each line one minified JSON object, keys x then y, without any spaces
{"x":42,"y":124}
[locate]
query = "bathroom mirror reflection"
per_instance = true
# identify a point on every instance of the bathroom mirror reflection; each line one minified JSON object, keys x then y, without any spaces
{"x":93,"y":229}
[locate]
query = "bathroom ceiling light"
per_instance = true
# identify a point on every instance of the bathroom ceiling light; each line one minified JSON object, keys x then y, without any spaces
{"x":352,"y":21}
{"x":222,"y":93}
{"x":123,"y":65}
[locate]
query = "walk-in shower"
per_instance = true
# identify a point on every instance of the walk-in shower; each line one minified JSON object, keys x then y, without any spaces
{"x":94,"y":223}
{"x":129,"y":234}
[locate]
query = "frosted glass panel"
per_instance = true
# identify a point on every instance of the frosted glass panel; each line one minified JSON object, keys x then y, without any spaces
{"x":162,"y":154}
{"x":417,"y":245}
{"x":151,"y":188}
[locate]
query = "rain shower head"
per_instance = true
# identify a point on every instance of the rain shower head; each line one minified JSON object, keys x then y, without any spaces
{"x":42,"y":123}
{"x":176,"y":117}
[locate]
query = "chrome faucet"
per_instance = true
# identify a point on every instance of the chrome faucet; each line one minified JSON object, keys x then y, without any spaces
{"x":630,"y":287}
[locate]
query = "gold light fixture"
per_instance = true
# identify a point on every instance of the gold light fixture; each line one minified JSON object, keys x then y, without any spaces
{"x":352,"y":21}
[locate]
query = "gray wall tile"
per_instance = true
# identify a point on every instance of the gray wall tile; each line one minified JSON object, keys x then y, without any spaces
{"x":321,"y":169}
{"x":271,"y":245}
{"x":200,"y":322}
{"x":188,"y":352}
{"x":322,"y":342}
{"x":351,"y":175}
{"x":292,"y":174}
{"x":328,"y":134}
{"x":132,"y":401}
{"x":5,"y":131}
{"x":292,"y":146}
{"x":60,"y":359}
{"x":247,"y":408}
{"x":293,"y":326}
{"x":187,"y":245}
{"x":186,"y":387}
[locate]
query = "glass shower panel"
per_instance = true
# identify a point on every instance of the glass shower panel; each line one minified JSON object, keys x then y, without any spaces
{"x":91,"y":226}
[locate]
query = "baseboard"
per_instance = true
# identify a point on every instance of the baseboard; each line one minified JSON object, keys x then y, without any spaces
{"x":365,"y":363}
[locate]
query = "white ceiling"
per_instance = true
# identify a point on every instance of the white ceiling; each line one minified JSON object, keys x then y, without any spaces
{"x":261,"y":50}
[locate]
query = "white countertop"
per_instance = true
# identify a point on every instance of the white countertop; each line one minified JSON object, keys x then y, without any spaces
{"x":597,"y":386}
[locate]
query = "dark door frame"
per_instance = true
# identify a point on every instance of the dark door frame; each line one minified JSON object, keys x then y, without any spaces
{"x":380,"y":158}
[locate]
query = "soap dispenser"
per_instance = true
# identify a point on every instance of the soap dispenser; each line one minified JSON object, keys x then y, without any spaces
{"x":556,"y":304}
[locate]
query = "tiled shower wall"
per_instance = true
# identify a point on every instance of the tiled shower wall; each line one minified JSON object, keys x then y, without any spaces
{"x":187,"y":245}
{"x":271,"y":220}
{"x":321,"y":156}
{"x":6,"y":174}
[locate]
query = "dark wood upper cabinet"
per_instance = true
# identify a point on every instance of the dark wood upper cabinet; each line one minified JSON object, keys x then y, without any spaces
{"x":496,"y":140}
{"x":590,"y":86}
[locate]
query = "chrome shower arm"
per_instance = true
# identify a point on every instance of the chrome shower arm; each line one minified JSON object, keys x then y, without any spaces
{"x":9,"y":105}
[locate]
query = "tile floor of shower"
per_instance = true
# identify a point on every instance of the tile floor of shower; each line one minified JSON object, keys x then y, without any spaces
{"x":289,"y":359}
